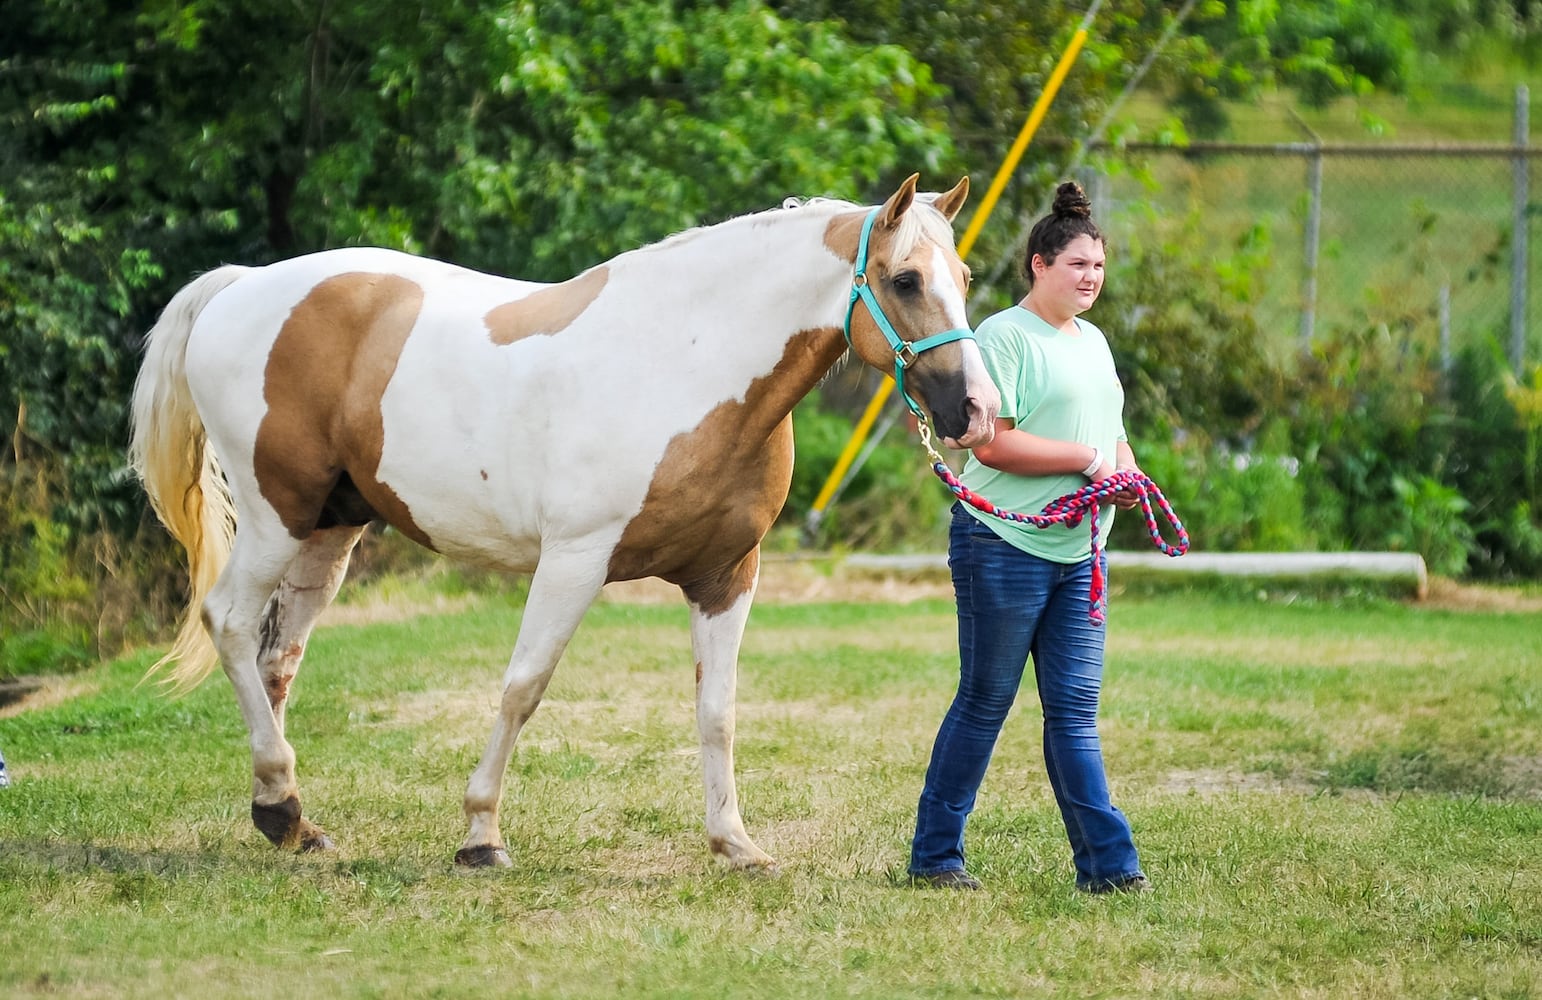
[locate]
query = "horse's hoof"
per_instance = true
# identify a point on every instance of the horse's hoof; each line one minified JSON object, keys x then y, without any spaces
{"x":763,"y":869}
{"x":484,"y":856}
{"x":744,"y":857}
{"x":279,"y":822}
{"x":314,"y":839}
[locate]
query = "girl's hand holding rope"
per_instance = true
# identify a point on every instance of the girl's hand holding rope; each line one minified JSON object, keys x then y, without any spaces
{"x":1126,"y":488}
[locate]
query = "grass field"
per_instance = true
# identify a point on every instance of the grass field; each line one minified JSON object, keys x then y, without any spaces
{"x":1333,"y":800}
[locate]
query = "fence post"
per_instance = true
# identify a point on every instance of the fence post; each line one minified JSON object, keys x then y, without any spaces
{"x":1520,"y":272}
{"x":1444,"y":306}
{"x":1313,"y":236}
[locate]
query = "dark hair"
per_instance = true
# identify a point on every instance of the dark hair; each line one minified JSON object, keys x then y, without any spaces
{"x":1070,"y":217}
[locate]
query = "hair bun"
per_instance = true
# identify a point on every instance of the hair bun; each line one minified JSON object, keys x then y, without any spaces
{"x":1070,"y":199}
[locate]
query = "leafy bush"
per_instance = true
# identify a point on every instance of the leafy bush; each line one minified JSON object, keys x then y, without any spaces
{"x":1431,"y":519}
{"x":42,"y":593}
{"x":1229,"y":501}
{"x":1360,"y":444}
{"x":43,"y":652}
{"x":69,"y":595}
{"x":1179,"y":317}
{"x":1492,"y":440}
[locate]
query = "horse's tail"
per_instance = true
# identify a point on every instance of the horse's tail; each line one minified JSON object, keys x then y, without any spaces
{"x":181,"y":474}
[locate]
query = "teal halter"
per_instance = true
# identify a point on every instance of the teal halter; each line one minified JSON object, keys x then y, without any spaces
{"x":904,"y":351}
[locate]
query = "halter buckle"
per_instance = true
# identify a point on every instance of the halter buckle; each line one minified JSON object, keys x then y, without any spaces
{"x":904,"y":354}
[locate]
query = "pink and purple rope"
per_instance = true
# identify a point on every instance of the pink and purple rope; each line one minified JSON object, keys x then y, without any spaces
{"x":1072,"y":508}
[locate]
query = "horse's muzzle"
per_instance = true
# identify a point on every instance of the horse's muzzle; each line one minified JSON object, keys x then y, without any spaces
{"x":963,"y":408}
{"x":978,"y":423}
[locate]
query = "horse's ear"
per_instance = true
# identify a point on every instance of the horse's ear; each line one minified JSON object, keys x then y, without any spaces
{"x":949,"y":203}
{"x":899,"y":201}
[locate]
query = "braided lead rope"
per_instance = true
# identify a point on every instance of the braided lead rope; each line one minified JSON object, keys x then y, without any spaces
{"x":1071,"y":509}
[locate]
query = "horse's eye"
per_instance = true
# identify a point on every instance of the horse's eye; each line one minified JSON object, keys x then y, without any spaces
{"x":906,"y":281}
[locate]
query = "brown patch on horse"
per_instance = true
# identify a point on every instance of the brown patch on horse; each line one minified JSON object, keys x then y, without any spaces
{"x":545,"y":312}
{"x":717,"y":593}
{"x":843,"y":236}
{"x":719,"y":486}
{"x":278,"y":684}
{"x":319,"y":444}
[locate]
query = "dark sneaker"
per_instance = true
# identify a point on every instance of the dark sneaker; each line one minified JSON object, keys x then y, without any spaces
{"x":954,"y":878}
{"x":1130,"y":883}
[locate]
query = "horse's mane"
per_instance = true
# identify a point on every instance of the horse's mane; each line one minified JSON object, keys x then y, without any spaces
{"x":914,"y":225}
{"x":816,"y":201}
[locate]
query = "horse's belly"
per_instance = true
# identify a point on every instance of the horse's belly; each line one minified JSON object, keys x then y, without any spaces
{"x":461,"y":497}
{"x":487,"y":485}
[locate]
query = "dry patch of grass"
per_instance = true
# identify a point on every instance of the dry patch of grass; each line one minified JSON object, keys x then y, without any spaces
{"x":376,"y":607}
{"x":804,"y":581}
{"x":1284,"y":651}
{"x":1221,"y":781}
{"x":1523,"y":775}
{"x":51,"y":691}
{"x":1452,"y":595}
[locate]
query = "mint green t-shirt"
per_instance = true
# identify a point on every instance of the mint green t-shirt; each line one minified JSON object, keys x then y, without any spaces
{"x":1055,"y":385}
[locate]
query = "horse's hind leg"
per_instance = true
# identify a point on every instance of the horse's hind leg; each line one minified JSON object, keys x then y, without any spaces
{"x":560,"y":592}
{"x":718,"y":615}
{"x":261,"y":555}
{"x":308,"y":587}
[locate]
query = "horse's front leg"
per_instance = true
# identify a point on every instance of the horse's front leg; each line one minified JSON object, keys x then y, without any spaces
{"x":719,"y":611}
{"x":561,"y":591}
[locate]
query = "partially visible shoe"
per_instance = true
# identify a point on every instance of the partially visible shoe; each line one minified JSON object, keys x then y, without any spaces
{"x":1130,"y":883}
{"x":954,"y":878}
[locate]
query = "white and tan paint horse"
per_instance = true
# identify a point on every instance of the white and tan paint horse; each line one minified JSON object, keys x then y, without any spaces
{"x":631,"y":422}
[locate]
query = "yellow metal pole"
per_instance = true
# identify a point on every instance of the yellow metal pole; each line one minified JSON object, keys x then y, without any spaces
{"x":965,"y":244}
{"x":1035,"y":119}
{"x":858,"y":435}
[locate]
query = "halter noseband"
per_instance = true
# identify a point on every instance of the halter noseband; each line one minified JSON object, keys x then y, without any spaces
{"x":905,"y":352}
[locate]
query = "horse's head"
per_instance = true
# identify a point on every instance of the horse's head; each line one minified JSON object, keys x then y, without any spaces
{"x":908,"y":316}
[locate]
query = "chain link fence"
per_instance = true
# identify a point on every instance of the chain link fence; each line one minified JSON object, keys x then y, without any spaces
{"x":1433,"y":242}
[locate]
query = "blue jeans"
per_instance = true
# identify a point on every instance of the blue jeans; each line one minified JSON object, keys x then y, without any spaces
{"x":1012,"y":605}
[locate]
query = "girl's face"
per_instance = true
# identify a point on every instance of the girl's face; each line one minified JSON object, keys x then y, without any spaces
{"x":1074,"y":279}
